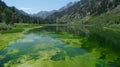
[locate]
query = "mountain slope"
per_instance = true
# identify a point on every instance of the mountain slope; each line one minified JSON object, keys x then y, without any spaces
{"x":44,"y":14}
{"x":83,"y":11}
{"x":11,"y":15}
{"x":21,"y":12}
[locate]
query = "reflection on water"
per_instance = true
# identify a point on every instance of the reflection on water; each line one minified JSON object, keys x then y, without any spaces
{"x":41,"y":48}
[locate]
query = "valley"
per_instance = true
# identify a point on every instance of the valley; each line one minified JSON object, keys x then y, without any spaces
{"x":84,"y":33}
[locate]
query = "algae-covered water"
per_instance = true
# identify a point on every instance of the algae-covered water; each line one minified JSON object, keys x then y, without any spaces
{"x":41,"y":48}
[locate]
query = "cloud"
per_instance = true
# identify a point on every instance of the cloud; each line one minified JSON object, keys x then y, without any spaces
{"x":26,"y":9}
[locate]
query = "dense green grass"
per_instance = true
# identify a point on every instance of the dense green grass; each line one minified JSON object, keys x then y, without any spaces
{"x":11,"y":31}
{"x":19,"y":27}
{"x":22,"y":25}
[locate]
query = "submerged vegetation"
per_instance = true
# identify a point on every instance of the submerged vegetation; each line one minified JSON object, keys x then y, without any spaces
{"x":6,"y":36}
{"x":5,"y":39}
{"x":102,"y":42}
{"x":61,"y":51}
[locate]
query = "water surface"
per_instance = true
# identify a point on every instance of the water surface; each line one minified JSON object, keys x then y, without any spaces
{"x":41,"y":48}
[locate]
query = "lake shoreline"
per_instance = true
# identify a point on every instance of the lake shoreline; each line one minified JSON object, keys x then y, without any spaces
{"x":7,"y":36}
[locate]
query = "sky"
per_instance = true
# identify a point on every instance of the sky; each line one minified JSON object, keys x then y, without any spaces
{"x":34,"y":6}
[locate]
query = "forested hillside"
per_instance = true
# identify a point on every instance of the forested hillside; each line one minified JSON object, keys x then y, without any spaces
{"x":89,"y":11}
{"x":11,"y":15}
